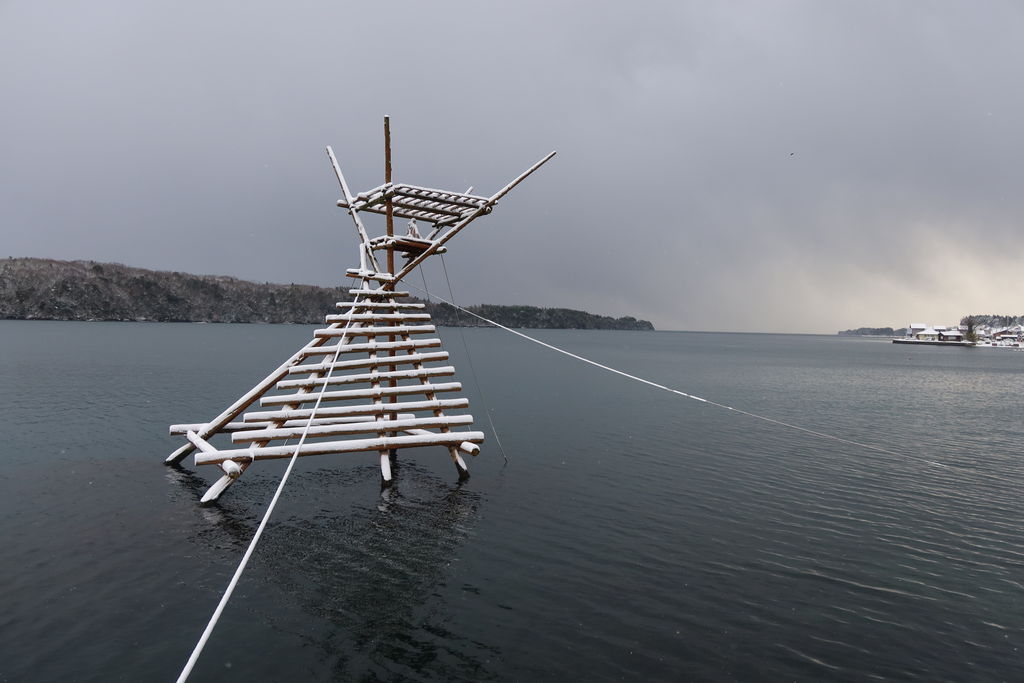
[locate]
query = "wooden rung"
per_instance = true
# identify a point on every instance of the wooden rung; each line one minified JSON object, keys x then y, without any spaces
{"x":349,"y":446}
{"x":467,"y":447}
{"x":376,"y":293}
{"x":324,"y":421}
{"x":365,"y":409}
{"x":379,"y":277}
{"x":352,"y":428}
{"x":443,"y":371}
{"x":407,"y":359}
{"x":196,"y":427}
{"x":286,"y":399}
{"x":368,"y":317}
{"x":374,"y":331}
{"x":376,"y":304}
{"x":370,"y":347}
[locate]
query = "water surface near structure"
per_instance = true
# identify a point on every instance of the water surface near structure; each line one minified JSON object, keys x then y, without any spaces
{"x":633,"y":534}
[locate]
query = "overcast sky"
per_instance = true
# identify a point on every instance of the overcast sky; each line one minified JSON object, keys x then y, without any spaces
{"x":739,"y":166}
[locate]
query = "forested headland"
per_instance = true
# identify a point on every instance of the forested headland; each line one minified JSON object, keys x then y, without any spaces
{"x":46,"y":289}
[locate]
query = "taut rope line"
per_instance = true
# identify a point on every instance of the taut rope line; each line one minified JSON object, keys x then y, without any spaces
{"x":263,"y":524}
{"x":648,"y":382}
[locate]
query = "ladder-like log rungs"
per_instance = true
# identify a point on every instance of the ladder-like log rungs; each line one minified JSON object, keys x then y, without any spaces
{"x":377,"y":304}
{"x":377,"y":293}
{"x":380,"y":392}
{"x":350,"y":446}
{"x":366,"y":409}
{"x":374,"y":331}
{"x":442,"y":371}
{"x":363,"y":427}
{"x":369,"y":317}
{"x":371,"y":346}
{"x":407,"y":359}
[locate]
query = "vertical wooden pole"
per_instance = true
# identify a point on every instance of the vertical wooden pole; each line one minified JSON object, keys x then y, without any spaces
{"x":390,"y":214}
{"x":389,"y":206}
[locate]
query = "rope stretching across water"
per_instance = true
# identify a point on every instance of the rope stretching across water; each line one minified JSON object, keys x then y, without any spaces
{"x":648,"y":382}
{"x":263,"y":524}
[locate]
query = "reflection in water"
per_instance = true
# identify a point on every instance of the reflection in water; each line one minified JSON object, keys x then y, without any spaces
{"x":358,"y":583}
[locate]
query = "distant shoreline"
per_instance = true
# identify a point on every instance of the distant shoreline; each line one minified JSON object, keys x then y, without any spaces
{"x":89,"y":291}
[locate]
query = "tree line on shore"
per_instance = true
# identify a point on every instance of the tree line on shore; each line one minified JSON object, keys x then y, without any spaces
{"x":47,"y":289}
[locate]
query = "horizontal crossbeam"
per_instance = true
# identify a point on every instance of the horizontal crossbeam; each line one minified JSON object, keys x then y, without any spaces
{"x":350,"y":446}
{"x":442,"y":371}
{"x":353,"y":428}
{"x":365,"y":409}
{"x":286,"y":399}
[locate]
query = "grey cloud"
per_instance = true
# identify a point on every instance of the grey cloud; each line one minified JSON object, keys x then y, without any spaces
{"x":781,"y":166}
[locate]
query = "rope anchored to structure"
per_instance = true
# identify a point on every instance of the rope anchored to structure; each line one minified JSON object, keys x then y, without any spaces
{"x":747,"y":413}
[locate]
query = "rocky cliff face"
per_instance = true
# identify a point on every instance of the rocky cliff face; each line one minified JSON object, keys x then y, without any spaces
{"x":44,"y":289}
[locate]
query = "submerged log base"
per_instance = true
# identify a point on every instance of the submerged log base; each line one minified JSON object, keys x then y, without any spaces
{"x":222,"y":484}
{"x":460,"y":464}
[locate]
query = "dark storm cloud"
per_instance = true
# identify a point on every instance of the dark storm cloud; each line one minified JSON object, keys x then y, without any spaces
{"x":781,"y":166}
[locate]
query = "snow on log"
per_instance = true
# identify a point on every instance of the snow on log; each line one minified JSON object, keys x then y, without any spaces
{"x":286,"y":399}
{"x":372,"y":346}
{"x":351,"y":446}
{"x":364,"y":427}
{"x":374,"y":331}
{"x":365,"y":409}
{"x":407,"y":359}
{"x":368,"y":317}
{"x":445,"y":370}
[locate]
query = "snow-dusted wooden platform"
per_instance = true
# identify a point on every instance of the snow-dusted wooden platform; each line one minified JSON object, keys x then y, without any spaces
{"x":372,"y":379}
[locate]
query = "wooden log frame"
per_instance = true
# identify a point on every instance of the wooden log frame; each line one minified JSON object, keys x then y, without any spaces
{"x":419,"y":419}
{"x":377,"y":340}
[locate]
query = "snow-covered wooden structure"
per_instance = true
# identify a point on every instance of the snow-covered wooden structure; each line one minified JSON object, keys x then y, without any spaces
{"x":374,"y":378}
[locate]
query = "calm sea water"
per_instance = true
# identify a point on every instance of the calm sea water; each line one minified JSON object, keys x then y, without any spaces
{"x":632,"y":534}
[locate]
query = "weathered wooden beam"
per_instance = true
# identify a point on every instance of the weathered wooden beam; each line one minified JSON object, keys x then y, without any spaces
{"x":377,"y":304}
{"x":377,"y":293}
{"x":364,"y":427}
{"x":351,"y":394}
{"x":375,"y":331}
{"x":182,"y":429}
{"x":466,"y":447}
{"x":349,"y":446}
{"x":373,"y":346}
{"x":369,"y":362}
{"x":365,"y":409}
{"x":369,"y":317}
{"x":366,"y":257}
{"x":369,"y":274}
{"x":441,"y":371}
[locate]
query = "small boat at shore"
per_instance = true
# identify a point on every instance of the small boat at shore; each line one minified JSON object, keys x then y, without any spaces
{"x":932,"y":342}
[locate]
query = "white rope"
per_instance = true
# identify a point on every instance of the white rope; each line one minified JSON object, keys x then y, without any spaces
{"x":185,"y":672}
{"x":648,"y":382}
